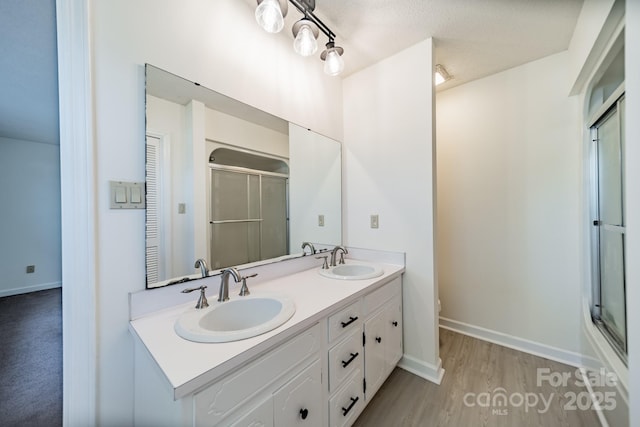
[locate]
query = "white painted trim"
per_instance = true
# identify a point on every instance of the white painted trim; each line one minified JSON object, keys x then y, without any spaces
{"x":422,"y":369}
{"x":78,"y":206}
{"x":30,"y":288}
{"x":605,"y":353}
{"x":527,"y":346}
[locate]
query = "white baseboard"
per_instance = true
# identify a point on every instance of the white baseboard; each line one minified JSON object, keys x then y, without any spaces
{"x":422,"y":369}
{"x":31,"y":288}
{"x":537,"y":349}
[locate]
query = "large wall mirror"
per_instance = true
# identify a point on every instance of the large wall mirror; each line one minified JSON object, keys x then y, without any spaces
{"x":229,"y":183}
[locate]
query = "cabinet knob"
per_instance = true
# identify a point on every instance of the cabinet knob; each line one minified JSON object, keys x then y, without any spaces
{"x":395,"y":324}
{"x":379,"y":339}
{"x":304,"y":413}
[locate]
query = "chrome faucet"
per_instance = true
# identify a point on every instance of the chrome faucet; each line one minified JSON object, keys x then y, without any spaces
{"x":223,"y":295}
{"x":200,"y":263}
{"x":334,"y":252}
{"x":310,"y":246}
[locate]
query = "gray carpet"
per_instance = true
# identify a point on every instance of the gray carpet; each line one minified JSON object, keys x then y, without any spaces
{"x":31,"y":359}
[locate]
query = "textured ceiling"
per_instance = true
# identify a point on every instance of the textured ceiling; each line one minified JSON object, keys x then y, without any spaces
{"x":473,"y":38}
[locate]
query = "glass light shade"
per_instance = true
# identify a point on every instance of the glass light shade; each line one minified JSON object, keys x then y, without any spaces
{"x":305,"y":43}
{"x":438,"y":78}
{"x":333,"y":64}
{"x":269,"y":16}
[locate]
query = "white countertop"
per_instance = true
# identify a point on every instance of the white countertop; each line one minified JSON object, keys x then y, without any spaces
{"x":190,"y":365}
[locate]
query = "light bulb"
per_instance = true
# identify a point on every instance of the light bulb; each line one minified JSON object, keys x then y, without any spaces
{"x":333,"y":64}
{"x":269,"y":16}
{"x":438,"y":78}
{"x":305,"y":43}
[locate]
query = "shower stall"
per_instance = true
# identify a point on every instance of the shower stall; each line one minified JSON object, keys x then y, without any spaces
{"x":248,"y":196}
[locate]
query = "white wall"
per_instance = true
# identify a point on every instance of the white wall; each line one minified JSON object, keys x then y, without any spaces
{"x":218,"y":44}
{"x":221,"y":127}
{"x":632,"y":72}
{"x":389,"y":171}
{"x":315,"y":188}
{"x":509,"y":186}
{"x":30,"y":216}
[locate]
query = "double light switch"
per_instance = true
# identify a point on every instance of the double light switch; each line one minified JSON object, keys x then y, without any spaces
{"x":127,"y":195}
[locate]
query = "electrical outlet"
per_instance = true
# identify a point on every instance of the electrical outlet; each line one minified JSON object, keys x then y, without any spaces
{"x":320,"y":220}
{"x":374,"y":221}
{"x":182,"y":208}
{"x":31,"y":268}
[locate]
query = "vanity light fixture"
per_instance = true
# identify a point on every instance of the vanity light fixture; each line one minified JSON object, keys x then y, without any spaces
{"x":441,"y":75}
{"x":332,"y":57}
{"x":270,"y":15}
{"x":305,"y":33}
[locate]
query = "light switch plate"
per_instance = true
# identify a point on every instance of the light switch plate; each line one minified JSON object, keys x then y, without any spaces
{"x":374,"y":221}
{"x":127,"y":195}
{"x":320,"y":220}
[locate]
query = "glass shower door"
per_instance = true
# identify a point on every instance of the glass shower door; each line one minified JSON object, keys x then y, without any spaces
{"x":235,"y":218}
{"x":611,"y":224}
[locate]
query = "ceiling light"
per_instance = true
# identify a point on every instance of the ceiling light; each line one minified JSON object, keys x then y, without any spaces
{"x":332,"y":57}
{"x":441,"y":75}
{"x":305,"y":33}
{"x":270,"y":14}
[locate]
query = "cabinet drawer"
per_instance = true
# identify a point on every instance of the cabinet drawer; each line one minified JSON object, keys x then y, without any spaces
{"x":300,"y":400}
{"x":344,"y":358}
{"x":216,"y":401}
{"x":346,"y":320}
{"x":381,"y":295}
{"x":347,"y":403}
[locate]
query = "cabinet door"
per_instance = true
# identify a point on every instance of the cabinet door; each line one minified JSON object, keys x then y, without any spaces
{"x":375,"y":365}
{"x":394,"y":324}
{"x":260,"y":416}
{"x":299,"y":402}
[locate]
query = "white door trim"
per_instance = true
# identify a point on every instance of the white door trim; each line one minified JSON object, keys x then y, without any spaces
{"x":78,"y":185}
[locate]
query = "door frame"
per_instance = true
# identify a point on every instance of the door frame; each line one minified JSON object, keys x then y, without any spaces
{"x":78,"y":213}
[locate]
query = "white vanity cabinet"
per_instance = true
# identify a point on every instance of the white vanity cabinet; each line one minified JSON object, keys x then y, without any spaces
{"x":323,"y":375}
{"x":365,"y":344}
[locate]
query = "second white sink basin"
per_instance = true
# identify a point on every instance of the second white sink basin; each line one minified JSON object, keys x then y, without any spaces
{"x":352,"y":272}
{"x":236,"y":319}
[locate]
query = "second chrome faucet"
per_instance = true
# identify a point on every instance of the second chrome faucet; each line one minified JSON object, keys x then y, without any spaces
{"x":223,"y":294}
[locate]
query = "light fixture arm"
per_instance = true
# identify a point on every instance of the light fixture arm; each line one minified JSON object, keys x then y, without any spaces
{"x":304,"y":7}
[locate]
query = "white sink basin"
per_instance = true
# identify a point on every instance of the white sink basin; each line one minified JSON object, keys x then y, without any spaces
{"x":352,"y":272}
{"x":236,"y":319}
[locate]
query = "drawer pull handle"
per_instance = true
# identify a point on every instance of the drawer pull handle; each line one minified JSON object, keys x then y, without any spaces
{"x":345,"y":411}
{"x":351,"y":320}
{"x":395,"y":324}
{"x":379,"y":339}
{"x":353,"y":356}
{"x":304,"y":413}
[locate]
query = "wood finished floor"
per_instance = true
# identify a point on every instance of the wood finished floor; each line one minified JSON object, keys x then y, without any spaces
{"x":476,"y":366}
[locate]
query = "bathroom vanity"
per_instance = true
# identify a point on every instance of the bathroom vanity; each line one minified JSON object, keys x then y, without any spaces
{"x":319,"y":368}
